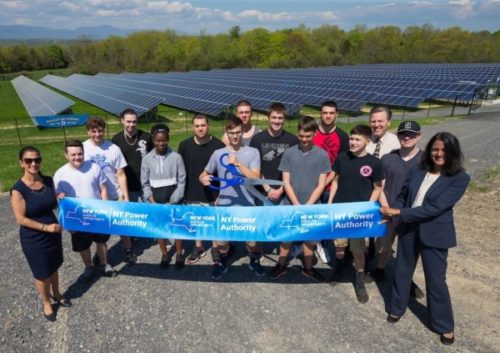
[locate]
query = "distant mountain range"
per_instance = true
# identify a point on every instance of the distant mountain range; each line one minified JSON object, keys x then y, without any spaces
{"x":17,"y":32}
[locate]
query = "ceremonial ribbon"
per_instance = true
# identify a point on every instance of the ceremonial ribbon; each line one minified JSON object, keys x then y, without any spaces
{"x":264,"y":223}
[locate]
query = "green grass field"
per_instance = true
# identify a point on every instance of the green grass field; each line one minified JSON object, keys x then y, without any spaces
{"x":11,"y":106}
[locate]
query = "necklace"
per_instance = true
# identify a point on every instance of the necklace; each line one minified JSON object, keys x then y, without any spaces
{"x":31,"y":184}
{"x":126,"y":139}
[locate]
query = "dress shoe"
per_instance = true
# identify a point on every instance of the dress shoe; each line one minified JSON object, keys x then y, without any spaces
{"x":50,"y":317}
{"x":392,"y":319}
{"x":447,"y":341}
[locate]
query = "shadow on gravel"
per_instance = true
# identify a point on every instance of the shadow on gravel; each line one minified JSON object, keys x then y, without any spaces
{"x":420,"y":312}
{"x":201,"y":273}
{"x":116,"y":253}
{"x":385,"y":288}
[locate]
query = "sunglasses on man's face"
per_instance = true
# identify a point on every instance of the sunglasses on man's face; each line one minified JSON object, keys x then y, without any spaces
{"x":408,"y":134}
{"x":37,"y":160}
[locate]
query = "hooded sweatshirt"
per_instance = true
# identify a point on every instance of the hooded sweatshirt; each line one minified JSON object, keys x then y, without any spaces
{"x":161,"y":170}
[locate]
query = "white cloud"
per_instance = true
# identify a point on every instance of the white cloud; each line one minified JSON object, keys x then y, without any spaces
{"x":170,"y":7}
{"x":462,"y":8}
{"x":106,"y":3}
{"x":382,"y":6}
{"x":202,"y":13}
{"x":424,"y":4}
{"x":490,"y":5}
{"x":265,"y":16}
{"x":329,"y":15}
{"x":125,"y":13}
{"x":228,"y":16}
{"x":189,"y":16}
{"x":14,"y":5}
{"x":71,"y":6}
{"x":22,"y":21}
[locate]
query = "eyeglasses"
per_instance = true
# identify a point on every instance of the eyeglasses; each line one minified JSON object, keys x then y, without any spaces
{"x":37,"y":160}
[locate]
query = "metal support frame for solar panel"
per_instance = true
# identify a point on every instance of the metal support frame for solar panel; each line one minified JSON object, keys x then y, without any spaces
{"x":38,"y":99}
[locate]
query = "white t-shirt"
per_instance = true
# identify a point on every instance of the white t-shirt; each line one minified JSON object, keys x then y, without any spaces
{"x":110,"y":158}
{"x":84,"y":182}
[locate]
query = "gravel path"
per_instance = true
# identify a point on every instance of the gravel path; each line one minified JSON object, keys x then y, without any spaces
{"x":145,"y":309}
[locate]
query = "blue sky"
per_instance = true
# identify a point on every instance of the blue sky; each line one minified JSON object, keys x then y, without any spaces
{"x":219,"y":16}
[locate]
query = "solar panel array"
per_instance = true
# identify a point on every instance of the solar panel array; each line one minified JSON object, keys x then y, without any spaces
{"x":38,"y":99}
{"x":352,"y":87}
{"x":113,"y":100}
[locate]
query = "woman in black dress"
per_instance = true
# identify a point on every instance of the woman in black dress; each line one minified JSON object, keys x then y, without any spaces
{"x":33,"y":201}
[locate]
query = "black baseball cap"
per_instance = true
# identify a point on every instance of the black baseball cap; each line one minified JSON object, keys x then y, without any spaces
{"x":410,"y":126}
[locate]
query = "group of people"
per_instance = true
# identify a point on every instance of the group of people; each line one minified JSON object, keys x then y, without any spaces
{"x":416,"y":189}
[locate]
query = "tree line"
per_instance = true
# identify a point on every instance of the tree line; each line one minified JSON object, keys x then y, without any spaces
{"x":299,"y":47}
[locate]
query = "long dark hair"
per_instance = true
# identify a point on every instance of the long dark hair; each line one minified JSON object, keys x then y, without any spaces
{"x":25,"y":149}
{"x":453,"y":154}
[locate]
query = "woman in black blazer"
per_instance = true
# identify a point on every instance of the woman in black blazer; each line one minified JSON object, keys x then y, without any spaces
{"x":425,"y":207}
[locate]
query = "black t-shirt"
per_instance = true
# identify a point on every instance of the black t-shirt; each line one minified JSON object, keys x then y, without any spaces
{"x":356,"y":176}
{"x":133,"y":150}
{"x":271,"y":149}
{"x":195,"y":158}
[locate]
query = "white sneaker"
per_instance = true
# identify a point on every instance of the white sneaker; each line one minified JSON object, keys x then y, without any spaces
{"x":322,"y":254}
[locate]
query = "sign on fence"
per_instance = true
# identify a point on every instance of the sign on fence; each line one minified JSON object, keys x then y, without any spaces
{"x":52,"y":121}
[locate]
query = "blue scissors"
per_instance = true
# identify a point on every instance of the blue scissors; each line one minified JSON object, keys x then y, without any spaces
{"x":240,"y":180}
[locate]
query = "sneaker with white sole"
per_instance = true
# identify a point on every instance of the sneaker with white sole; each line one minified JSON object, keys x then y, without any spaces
{"x":108,"y":270}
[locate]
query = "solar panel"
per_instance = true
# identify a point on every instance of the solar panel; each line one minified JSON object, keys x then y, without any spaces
{"x":111,"y":100}
{"x":215,"y":91}
{"x":39,"y":100}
